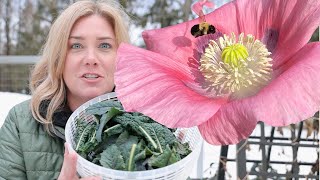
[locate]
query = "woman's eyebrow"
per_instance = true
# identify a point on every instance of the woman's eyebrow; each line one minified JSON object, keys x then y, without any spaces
{"x":104,"y":38}
{"x":98,"y":38}
{"x":76,"y":37}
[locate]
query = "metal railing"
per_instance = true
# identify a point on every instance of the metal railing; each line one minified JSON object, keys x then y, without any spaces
{"x":262,"y":168}
{"x":15,"y":73}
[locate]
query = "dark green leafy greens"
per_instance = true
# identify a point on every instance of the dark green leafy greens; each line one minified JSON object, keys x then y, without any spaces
{"x":126,"y":141}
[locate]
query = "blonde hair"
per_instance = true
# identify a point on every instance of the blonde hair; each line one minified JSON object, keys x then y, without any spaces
{"x":46,"y":82}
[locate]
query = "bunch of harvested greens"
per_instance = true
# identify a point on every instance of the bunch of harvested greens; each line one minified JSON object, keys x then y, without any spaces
{"x":126,"y":141}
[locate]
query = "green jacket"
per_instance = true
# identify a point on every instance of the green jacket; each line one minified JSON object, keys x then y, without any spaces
{"x":26,"y":150}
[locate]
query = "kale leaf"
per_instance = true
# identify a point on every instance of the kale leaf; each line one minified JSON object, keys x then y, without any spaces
{"x":168,"y":157}
{"x":126,"y":140}
{"x":112,"y":158}
{"x":103,"y":107}
{"x":104,"y":119}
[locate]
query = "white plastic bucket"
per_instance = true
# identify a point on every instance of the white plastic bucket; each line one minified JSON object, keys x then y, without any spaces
{"x":177,"y":171}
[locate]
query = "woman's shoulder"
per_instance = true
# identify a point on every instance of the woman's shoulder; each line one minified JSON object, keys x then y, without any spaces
{"x":21,"y":109}
{"x":21,"y":115}
{"x":25,"y":103}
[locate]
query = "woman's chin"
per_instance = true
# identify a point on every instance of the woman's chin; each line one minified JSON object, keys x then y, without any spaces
{"x":92,"y":95}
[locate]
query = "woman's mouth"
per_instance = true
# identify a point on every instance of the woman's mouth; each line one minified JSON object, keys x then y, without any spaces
{"x":91,"y":76}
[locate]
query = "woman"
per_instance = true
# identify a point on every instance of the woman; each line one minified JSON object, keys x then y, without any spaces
{"x":77,"y":64}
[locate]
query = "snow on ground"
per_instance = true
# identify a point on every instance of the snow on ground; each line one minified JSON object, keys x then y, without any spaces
{"x":278,"y":153}
{"x":7,"y":101}
{"x":211,"y":153}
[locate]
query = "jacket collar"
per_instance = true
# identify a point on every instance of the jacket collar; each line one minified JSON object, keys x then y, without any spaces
{"x":60,"y":116}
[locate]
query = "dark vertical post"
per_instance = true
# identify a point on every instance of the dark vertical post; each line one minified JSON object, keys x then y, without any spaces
{"x":263,"y":141}
{"x":241,"y":160}
{"x":270,"y":146}
{"x":295,"y":142}
{"x":222,"y":162}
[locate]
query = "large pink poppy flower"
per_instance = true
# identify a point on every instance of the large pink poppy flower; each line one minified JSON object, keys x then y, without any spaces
{"x":258,"y":66}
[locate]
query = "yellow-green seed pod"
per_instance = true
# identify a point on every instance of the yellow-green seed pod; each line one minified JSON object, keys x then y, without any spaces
{"x":234,"y":53}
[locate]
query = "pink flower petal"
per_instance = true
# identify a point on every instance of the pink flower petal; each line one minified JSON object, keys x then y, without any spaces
{"x":284,"y":26}
{"x":293,"y":21}
{"x":156,"y":86}
{"x":162,"y":87}
{"x":232,"y":123}
{"x":295,"y":94}
{"x":177,"y":42}
{"x":290,"y":98}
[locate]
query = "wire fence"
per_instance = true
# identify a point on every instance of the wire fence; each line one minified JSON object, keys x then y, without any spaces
{"x":265,"y":167}
{"x":15,"y":73}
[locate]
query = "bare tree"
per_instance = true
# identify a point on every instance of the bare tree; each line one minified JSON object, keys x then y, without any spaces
{"x":36,"y":19}
{"x":7,"y":20}
{"x":186,"y":10}
{"x":1,"y":2}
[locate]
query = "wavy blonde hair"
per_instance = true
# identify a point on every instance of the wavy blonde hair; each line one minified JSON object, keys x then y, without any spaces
{"x":46,"y":81}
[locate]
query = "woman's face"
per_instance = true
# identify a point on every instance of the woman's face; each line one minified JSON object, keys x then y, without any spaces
{"x":90,"y":61}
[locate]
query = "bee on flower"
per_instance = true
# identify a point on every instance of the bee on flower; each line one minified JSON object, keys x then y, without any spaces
{"x":257,"y":65}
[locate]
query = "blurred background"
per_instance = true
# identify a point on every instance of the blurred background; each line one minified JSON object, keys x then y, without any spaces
{"x":24,"y":25}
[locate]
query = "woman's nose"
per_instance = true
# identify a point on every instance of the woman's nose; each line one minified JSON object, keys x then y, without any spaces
{"x":91,"y":58}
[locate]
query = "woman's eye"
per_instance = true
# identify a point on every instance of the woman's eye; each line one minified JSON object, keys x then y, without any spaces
{"x":105,"y":45}
{"x":76,"y":46}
